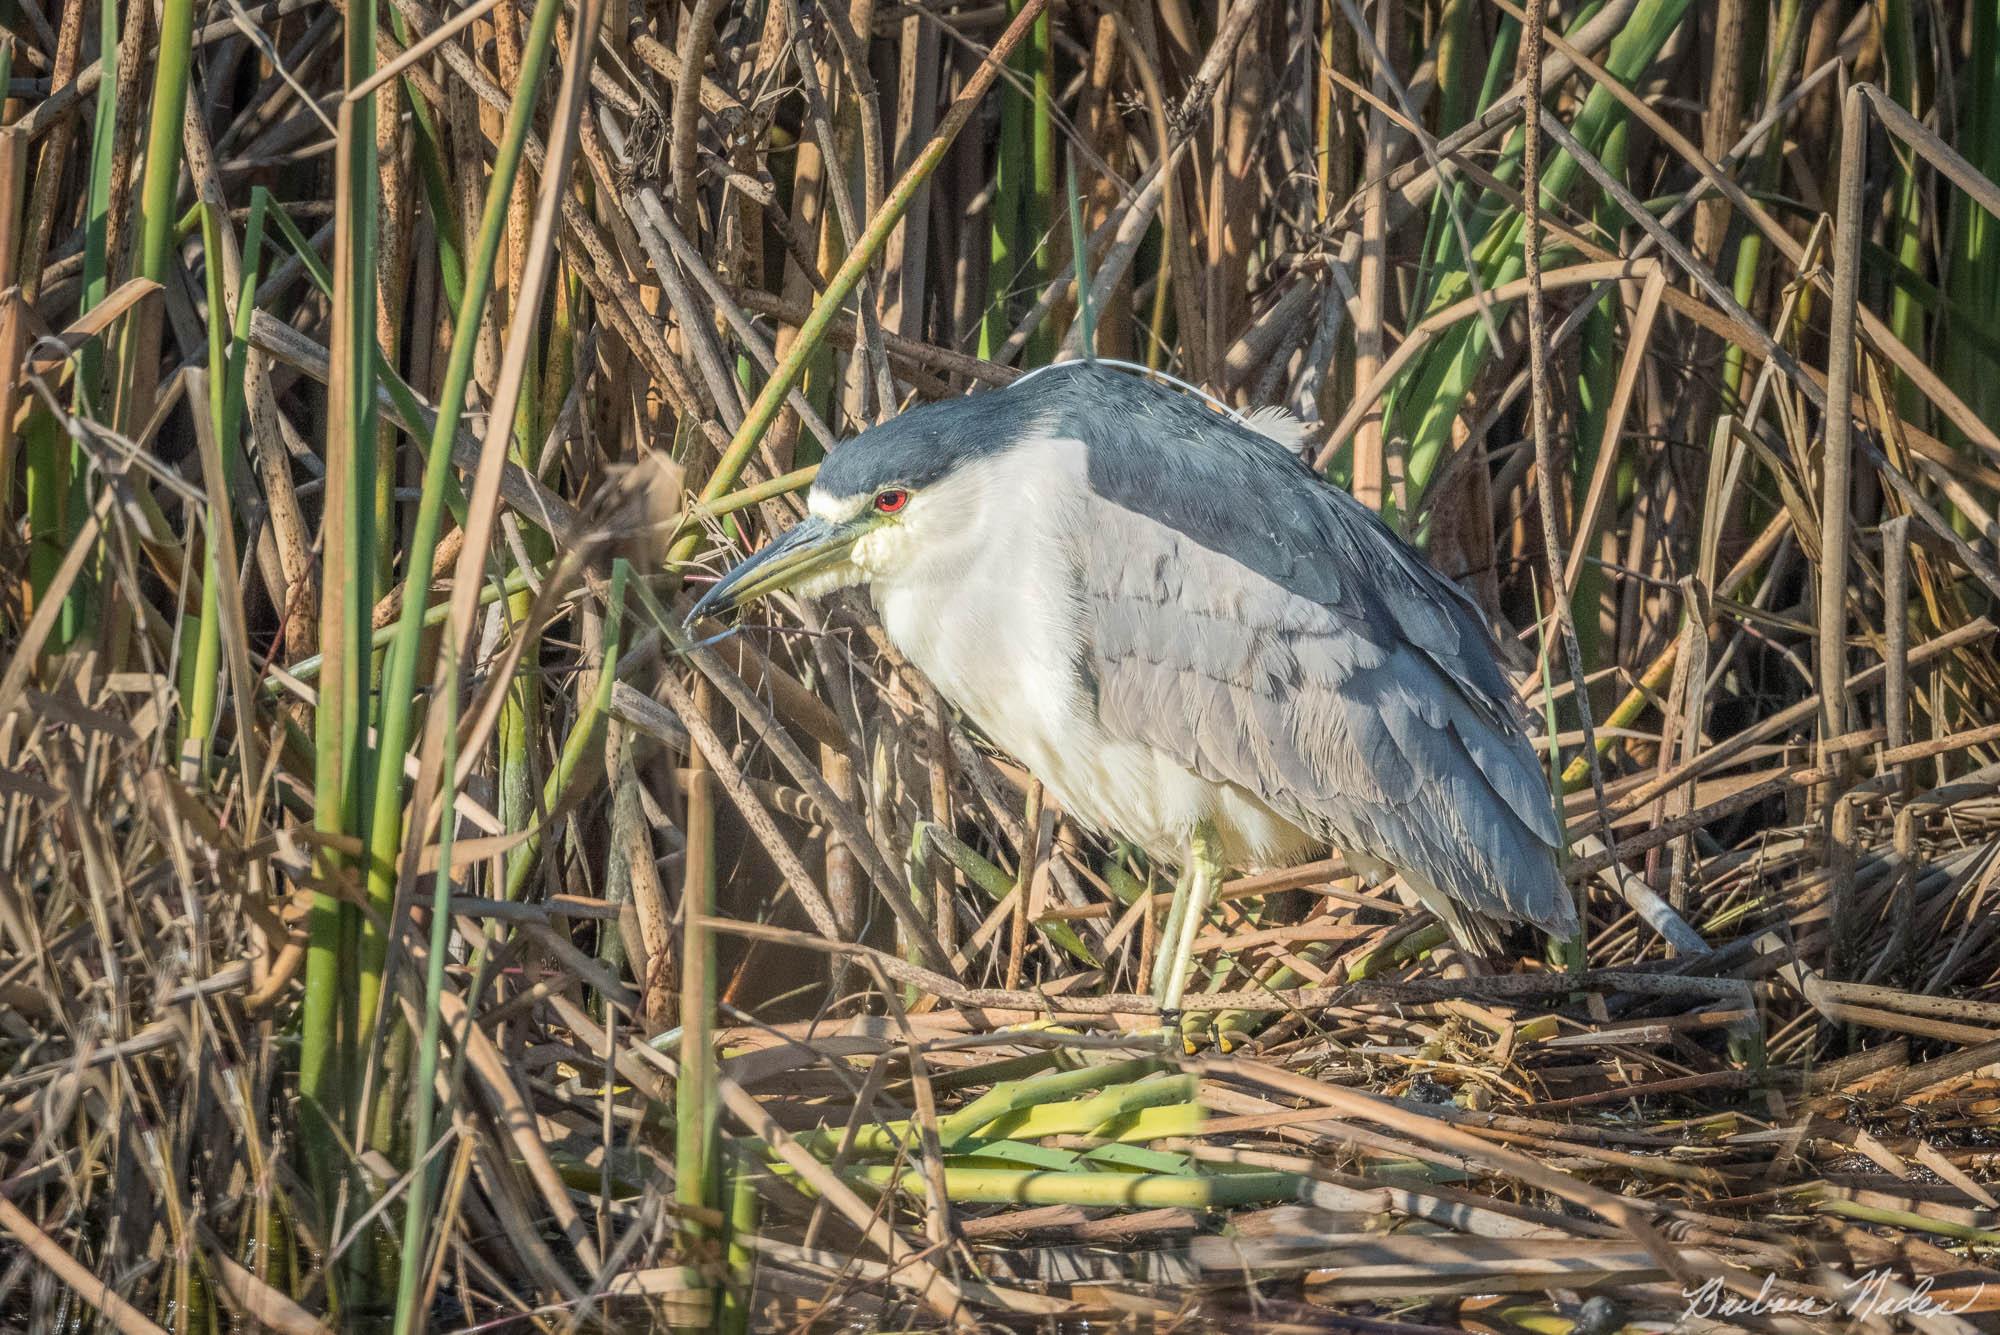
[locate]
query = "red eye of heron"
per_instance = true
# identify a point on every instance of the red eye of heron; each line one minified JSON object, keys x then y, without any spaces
{"x":892,"y":500}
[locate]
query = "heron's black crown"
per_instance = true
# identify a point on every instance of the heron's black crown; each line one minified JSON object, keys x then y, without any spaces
{"x":1102,"y":406}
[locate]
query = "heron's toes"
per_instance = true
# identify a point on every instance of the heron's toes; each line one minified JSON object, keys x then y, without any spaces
{"x":1232,"y":1031}
{"x":1197,"y":1029}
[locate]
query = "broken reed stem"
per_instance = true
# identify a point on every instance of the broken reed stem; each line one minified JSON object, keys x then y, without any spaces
{"x":1836,"y":488}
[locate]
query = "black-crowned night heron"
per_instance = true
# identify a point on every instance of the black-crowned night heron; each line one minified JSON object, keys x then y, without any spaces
{"x":1191,"y":639}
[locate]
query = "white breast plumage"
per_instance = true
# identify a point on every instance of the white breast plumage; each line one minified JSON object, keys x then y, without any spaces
{"x":1012,"y":665}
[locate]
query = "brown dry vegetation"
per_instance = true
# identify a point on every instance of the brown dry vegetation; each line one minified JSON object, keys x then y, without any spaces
{"x":375,"y":384}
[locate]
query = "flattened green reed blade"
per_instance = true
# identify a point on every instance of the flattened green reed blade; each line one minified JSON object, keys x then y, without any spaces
{"x":1004,"y":1099}
{"x":1137,"y":1158}
{"x":1148,"y":1191}
{"x":1085,"y":1116}
{"x":1015,"y":1097}
{"x":1014,"y":1154}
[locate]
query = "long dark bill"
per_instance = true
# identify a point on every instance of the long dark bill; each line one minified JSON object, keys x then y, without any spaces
{"x":806,"y":549}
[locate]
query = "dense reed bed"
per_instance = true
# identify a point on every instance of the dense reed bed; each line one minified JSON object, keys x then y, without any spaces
{"x":406,"y":924}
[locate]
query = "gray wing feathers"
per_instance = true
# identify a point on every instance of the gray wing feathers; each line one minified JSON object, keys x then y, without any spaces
{"x":1376,"y":720}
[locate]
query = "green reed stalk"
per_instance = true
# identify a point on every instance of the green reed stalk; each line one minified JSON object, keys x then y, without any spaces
{"x":400,"y":671}
{"x":1454,"y":64}
{"x":437,"y":186}
{"x":48,"y":474}
{"x":517,"y":810}
{"x":581,"y":740}
{"x":741,"y":1259}
{"x":79,"y":616}
{"x":163,"y":139}
{"x":1233,"y":1028}
{"x":1038,"y":215}
{"x":339,"y":748}
{"x":416,"y":1217}
{"x":1973,"y":262}
{"x":198,"y":721}
{"x":1008,"y":229}
{"x":522,"y":707}
{"x":1600,"y":356}
{"x":44,"y":464}
{"x":156,"y":237}
{"x":329,"y":1078}
{"x":997,"y":885}
{"x":97,"y":214}
{"x":1765,"y":168}
{"x":1005,"y":1109}
{"x":1906,"y":222}
{"x":874,"y":235}
{"x":1427,"y":398}
{"x":1441,"y":252}
{"x":228,"y":356}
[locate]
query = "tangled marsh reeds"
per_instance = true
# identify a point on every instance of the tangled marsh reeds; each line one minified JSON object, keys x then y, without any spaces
{"x":406,"y":924}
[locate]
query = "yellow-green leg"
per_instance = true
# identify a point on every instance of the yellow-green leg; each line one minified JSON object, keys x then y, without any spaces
{"x":1201,"y":876}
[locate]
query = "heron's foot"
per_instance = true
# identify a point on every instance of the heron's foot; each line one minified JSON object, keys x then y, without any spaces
{"x":1226,"y":1032}
{"x":1199,"y":1029}
{"x":1191,"y":1031}
{"x":1234,"y":1029}
{"x":1196,"y":1030}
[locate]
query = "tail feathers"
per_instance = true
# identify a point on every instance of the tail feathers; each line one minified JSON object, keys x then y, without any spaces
{"x":1477,"y":934}
{"x":1547,"y":908}
{"x":1546,"y":904}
